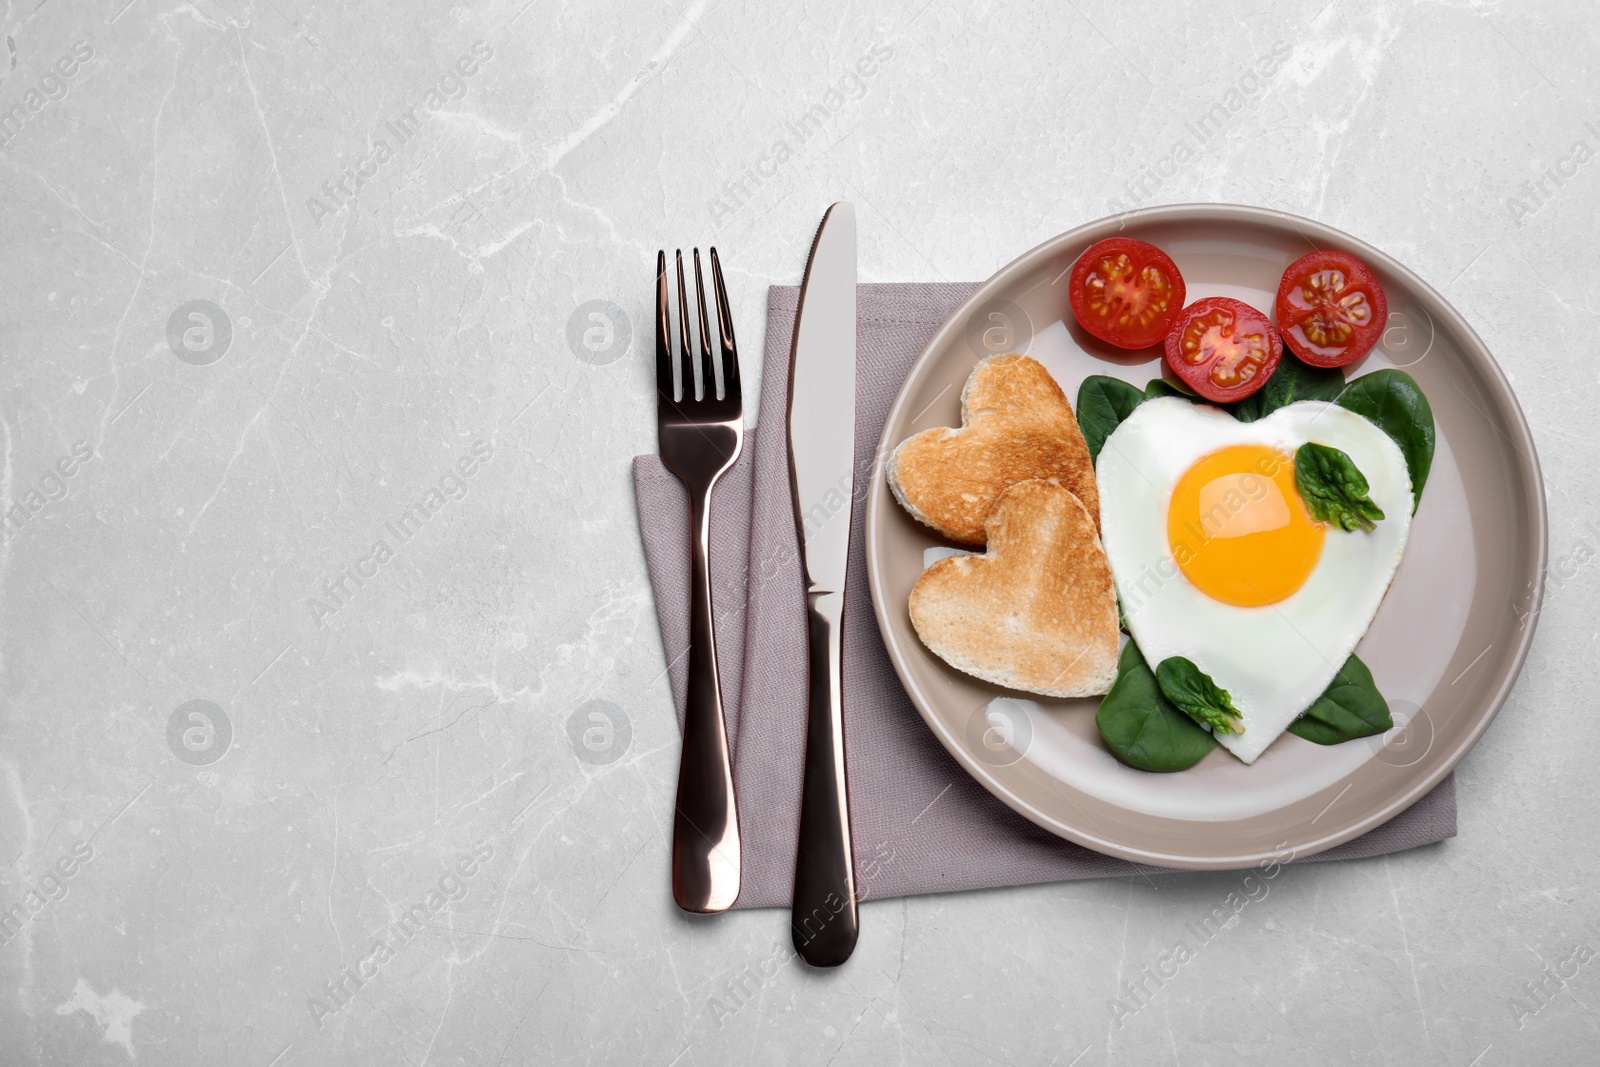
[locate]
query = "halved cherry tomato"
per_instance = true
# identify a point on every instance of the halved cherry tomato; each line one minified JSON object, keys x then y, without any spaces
{"x":1223,"y":348}
{"x":1126,"y":292}
{"x":1330,"y":308}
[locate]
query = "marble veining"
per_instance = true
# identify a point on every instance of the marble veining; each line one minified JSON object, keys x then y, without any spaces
{"x":334,"y":726}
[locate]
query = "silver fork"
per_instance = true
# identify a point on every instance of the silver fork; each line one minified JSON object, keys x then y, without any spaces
{"x":700,"y":437}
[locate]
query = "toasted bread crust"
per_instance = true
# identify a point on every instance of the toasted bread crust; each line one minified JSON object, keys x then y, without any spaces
{"x":1016,"y":425}
{"x":1037,"y":611}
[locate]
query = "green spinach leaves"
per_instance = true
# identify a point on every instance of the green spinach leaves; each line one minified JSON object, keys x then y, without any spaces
{"x":1151,"y":719}
{"x":1156,"y":387}
{"x":1292,"y":381}
{"x":1103,"y":403}
{"x":1391,"y":400}
{"x":1142,"y":727}
{"x":1192,"y":692}
{"x":1333,"y":487}
{"x":1350,"y":707}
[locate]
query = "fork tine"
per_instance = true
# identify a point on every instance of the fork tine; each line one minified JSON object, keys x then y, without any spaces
{"x":664,"y":385}
{"x":730,"y":351}
{"x":686,"y":367}
{"x":708,"y":365}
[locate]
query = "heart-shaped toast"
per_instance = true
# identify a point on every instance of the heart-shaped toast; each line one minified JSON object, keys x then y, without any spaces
{"x":1036,"y":611}
{"x":1016,"y":425}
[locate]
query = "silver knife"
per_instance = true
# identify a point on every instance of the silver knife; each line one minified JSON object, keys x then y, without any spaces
{"x":822,"y":416}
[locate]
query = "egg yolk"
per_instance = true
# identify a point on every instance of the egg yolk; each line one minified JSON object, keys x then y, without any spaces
{"x":1238,"y":528}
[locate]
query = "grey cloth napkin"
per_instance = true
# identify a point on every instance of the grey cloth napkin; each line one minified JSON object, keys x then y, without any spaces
{"x":920,"y":823}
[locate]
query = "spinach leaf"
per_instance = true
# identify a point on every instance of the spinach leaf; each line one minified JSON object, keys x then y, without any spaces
{"x":1196,"y":695}
{"x":1392,"y":400}
{"x":1293,"y":380}
{"x":1333,"y":487}
{"x":1161,"y":387}
{"x":1102,"y":405}
{"x":1350,"y":707}
{"x":1141,"y":727}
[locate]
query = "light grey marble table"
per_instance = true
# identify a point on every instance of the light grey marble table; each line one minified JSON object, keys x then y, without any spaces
{"x":275,"y":272}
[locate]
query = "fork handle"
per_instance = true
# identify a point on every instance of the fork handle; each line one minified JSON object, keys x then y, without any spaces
{"x":705,"y":826}
{"x":823,"y":921}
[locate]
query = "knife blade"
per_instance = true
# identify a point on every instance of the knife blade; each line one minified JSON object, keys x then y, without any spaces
{"x":822,"y":409}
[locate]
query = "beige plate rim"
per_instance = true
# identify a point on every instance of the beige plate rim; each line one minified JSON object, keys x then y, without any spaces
{"x":1409,"y":788}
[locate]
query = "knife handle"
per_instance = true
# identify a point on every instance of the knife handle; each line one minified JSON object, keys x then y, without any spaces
{"x":705,"y":825}
{"x":823,"y":919}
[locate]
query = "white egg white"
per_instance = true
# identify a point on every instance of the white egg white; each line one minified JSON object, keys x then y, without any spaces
{"x":1275,"y":660}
